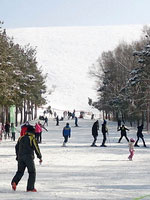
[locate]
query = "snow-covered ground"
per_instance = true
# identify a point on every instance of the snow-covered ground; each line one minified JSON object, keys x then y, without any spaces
{"x":66,"y":53}
{"x":78,"y":171}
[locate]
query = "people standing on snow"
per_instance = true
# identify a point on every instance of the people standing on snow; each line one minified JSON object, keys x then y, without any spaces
{"x":25,"y":148}
{"x":76,"y":121}
{"x":95,"y":129}
{"x":123,"y":133}
{"x":57,"y":121}
{"x":13,"y":131}
{"x":119,"y":124}
{"x":38,"y":132}
{"x":7,"y":130}
{"x":104,"y":131}
{"x":131,"y":148}
{"x":140,"y":135}
{"x":45,"y":121}
{"x":66,"y":134}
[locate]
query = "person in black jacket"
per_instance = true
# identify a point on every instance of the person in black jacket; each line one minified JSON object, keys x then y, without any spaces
{"x":25,"y":148}
{"x":140,"y":135}
{"x":123,"y":133}
{"x":95,"y":129}
{"x":104,"y":131}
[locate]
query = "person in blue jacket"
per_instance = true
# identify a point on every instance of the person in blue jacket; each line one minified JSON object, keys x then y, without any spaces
{"x":66,"y":134}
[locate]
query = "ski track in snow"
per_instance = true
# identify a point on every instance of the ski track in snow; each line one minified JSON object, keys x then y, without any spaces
{"x":78,"y":171}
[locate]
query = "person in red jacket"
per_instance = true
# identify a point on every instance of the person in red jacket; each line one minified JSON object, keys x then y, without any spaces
{"x":38,"y":132}
{"x":24,"y":128}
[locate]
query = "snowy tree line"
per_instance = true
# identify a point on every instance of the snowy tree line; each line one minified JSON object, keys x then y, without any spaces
{"x":123,"y":81}
{"x":22,"y":83}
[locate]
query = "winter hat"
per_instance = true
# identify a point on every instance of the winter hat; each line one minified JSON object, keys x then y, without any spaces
{"x":30,"y":129}
{"x":132,"y":140}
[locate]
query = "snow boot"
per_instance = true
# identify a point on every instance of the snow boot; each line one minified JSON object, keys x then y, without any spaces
{"x":34,"y":190}
{"x":13,"y":186}
{"x":64,"y":144}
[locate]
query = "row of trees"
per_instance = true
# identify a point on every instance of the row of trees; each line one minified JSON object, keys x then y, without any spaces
{"x":22,"y":83}
{"x":123,"y":80}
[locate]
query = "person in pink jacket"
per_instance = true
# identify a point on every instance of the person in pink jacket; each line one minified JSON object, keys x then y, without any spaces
{"x":38,"y":132}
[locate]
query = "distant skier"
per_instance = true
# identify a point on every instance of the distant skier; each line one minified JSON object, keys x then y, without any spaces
{"x":76,"y":121}
{"x":123,"y":133}
{"x":104,"y":131}
{"x":45,"y":121}
{"x":140,"y":135}
{"x":95,"y":129}
{"x":131,"y":149}
{"x":66,"y":134}
{"x":119,"y":124}
{"x":7,"y":130}
{"x":57,"y":121}
{"x":13,"y":131}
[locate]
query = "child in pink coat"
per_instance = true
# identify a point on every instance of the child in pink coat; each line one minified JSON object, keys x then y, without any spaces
{"x":131,"y":148}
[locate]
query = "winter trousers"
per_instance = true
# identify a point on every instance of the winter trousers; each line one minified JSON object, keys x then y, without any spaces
{"x":38,"y":137}
{"x":104,"y":139}
{"x":122,"y":137}
{"x":131,"y":154}
{"x":26,"y":161}
{"x":66,"y":138}
{"x":142,"y":140}
{"x":95,"y":139}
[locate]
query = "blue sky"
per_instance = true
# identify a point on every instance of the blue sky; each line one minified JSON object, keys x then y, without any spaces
{"x":40,"y":13}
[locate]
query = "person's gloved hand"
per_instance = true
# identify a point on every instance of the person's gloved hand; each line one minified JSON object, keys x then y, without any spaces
{"x":40,"y":161}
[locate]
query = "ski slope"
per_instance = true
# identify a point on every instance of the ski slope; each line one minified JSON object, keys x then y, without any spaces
{"x":78,"y":171}
{"x":66,"y":53}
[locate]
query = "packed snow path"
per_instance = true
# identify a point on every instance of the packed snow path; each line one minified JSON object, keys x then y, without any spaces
{"x":78,"y":171}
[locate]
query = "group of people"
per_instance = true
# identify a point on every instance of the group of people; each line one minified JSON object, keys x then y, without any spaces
{"x":31,"y":135}
{"x":38,"y":130}
{"x":132,"y":143}
{"x":9,"y":131}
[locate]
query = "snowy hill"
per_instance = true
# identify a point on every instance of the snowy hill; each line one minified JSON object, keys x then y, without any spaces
{"x":66,"y":53}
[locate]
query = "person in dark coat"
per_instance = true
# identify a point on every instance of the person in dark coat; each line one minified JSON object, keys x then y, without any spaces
{"x":66,"y":134}
{"x":95,"y":129}
{"x":25,"y":148}
{"x":57,"y":121}
{"x":7,"y":130}
{"x":140,"y":135}
{"x":119,"y":124}
{"x":76,"y":121}
{"x":123,"y":130}
{"x":104,"y":131}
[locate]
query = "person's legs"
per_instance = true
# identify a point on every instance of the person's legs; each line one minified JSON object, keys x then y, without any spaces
{"x":104,"y":139}
{"x":40,"y":137}
{"x":143,"y":142}
{"x":32,"y":174}
{"x":20,"y":172}
{"x":120,"y":139}
{"x":126,"y":138}
{"x":95,"y":139}
{"x":136,"y":143}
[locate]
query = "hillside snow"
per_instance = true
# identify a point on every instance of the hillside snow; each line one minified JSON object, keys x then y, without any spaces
{"x":66,"y":53}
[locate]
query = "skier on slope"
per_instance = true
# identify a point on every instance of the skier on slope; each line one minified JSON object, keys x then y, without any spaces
{"x":140,"y":135}
{"x":123,"y":133}
{"x":25,"y":148}
{"x":66,"y":134}
{"x":95,"y":129}
{"x":104,"y":131}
